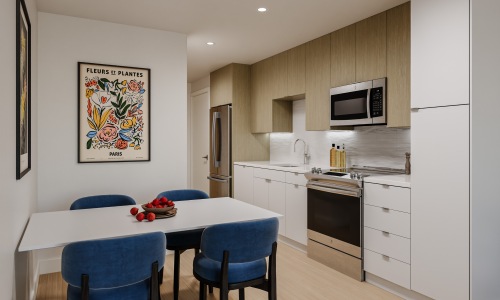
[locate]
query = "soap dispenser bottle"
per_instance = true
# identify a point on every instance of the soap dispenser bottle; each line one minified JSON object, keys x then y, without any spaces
{"x":333,"y":156}
{"x":343,"y":158}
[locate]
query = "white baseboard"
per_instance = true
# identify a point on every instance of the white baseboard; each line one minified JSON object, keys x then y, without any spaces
{"x":394,"y":288}
{"x":293,"y":244}
{"x":51,"y":265}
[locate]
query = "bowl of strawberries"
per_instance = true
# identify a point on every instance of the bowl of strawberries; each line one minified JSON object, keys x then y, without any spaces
{"x":159,"y":206}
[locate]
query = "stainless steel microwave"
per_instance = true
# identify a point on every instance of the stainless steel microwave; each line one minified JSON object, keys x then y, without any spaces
{"x":361,"y":103}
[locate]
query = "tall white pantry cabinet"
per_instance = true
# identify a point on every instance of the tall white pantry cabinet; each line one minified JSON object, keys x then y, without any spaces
{"x":455,"y":138}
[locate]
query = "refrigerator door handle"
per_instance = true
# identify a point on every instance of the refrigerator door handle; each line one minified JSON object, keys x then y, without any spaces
{"x":217,"y":179}
{"x":215,"y":156}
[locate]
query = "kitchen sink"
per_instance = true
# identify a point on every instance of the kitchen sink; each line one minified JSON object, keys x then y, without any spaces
{"x":285,"y":165}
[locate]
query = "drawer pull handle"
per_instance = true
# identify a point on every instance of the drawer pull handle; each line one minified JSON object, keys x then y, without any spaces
{"x":385,"y":209}
{"x":296,"y":174}
{"x":296,"y":186}
{"x":385,"y":233}
{"x":385,"y":186}
{"x":268,"y":180}
{"x":386,"y":257}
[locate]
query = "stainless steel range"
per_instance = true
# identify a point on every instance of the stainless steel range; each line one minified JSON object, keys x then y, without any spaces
{"x":335,"y":217}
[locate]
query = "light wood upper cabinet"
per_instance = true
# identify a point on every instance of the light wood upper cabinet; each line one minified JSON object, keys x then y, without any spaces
{"x":267,"y":82}
{"x":318,"y":84}
{"x":371,"y":48}
{"x":398,"y":66}
{"x":279,"y":76}
{"x":296,"y":72}
{"x":221,"y":86}
{"x":343,"y":56}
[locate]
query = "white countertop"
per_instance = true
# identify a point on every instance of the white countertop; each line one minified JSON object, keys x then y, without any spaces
{"x":274,"y":165}
{"x":396,"y":180}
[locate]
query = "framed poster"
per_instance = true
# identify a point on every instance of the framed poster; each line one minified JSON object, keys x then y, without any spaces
{"x":23,"y":91}
{"x":113,"y":113}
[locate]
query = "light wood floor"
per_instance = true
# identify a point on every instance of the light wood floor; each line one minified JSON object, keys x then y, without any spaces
{"x":298,"y":278}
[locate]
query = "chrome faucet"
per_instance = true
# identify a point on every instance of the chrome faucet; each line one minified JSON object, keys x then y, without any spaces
{"x":306,"y":155}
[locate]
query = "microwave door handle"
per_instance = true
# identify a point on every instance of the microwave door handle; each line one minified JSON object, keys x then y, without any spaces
{"x":368,"y":104}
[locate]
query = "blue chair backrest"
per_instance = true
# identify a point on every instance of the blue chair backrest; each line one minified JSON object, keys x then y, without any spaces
{"x":114,"y":262}
{"x":180,"y":195}
{"x":245,"y":241}
{"x":102,"y":201}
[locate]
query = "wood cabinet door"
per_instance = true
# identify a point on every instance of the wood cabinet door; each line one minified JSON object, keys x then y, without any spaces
{"x":296,"y":71}
{"x":398,"y":66}
{"x":221,"y":86}
{"x":279,"y":76}
{"x":318,"y":84}
{"x":439,"y":53}
{"x":440,"y":202}
{"x":261,"y":103}
{"x":371,"y":48}
{"x":343,"y":56}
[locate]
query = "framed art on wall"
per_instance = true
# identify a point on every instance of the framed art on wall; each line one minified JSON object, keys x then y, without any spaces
{"x":23,"y":91}
{"x":113,"y":113}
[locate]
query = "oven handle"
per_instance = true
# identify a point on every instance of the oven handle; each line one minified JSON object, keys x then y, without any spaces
{"x":333,"y":191}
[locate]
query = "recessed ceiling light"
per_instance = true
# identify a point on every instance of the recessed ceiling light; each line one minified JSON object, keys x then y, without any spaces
{"x":210,"y":43}
{"x":262,"y":9}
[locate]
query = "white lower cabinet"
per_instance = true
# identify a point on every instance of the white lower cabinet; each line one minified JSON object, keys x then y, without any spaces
{"x":279,"y":191}
{"x":296,"y":213}
{"x":387,"y":235}
{"x":243,"y":190}
{"x":277,"y":203}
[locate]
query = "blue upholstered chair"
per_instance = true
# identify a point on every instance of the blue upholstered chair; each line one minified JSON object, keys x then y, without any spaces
{"x":233,"y":256}
{"x":120,"y":268}
{"x":101,"y":201}
{"x":182,"y":241}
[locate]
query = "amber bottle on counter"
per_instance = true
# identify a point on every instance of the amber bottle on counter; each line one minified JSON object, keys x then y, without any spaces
{"x":333,"y":156}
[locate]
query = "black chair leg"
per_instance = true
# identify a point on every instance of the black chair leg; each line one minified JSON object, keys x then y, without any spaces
{"x":177,"y":262}
{"x":160,"y":276}
{"x":203,"y":291}
{"x":210,"y":289}
{"x":196,"y":251}
{"x":242,"y":294}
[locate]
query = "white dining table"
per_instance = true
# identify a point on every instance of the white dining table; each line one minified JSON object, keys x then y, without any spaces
{"x":55,"y":229}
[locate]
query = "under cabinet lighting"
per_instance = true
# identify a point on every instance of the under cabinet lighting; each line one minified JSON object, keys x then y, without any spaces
{"x":262,"y":9}
{"x":210,"y":43}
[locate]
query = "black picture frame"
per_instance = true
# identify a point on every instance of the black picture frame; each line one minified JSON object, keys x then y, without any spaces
{"x":23,"y":90}
{"x":123,"y":126}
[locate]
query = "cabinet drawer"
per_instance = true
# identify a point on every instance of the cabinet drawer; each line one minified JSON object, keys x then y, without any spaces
{"x":388,"y":196}
{"x":389,"y":220}
{"x":269,"y":174}
{"x":388,"y":244}
{"x":296,"y":178}
{"x":387,"y":268}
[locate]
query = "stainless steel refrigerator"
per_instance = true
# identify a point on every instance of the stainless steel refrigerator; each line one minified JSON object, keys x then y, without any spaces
{"x":220,"y":151}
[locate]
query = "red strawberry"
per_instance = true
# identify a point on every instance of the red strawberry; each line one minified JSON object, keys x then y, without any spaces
{"x":140,"y":217}
{"x":164,"y":200}
{"x":155,"y":202}
{"x":134,"y":211}
{"x":151,"y":216}
{"x":170,"y":203}
{"x":159,"y":206}
{"x":149,"y":205}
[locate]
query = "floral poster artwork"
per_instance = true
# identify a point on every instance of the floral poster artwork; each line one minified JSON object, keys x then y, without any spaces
{"x":113,"y":113}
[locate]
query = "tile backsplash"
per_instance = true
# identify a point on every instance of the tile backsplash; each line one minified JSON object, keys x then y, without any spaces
{"x":366,"y":146}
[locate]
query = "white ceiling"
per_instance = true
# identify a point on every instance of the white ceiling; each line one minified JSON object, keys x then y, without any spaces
{"x":240,"y":33}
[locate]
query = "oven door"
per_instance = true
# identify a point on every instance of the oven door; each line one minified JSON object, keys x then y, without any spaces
{"x":334,"y":218}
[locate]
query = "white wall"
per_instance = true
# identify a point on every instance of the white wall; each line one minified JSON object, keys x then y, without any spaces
{"x":485,"y":143}
{"x":64,"y":41}
{"x":366,"y":146}
{"x":200,"y":84}
{"x":18,"y":197}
